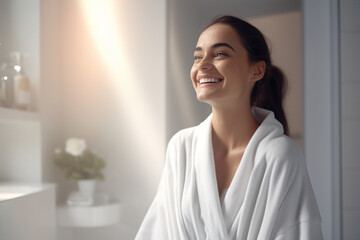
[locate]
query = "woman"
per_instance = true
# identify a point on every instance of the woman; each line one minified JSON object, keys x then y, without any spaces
{"x":236,"y":175}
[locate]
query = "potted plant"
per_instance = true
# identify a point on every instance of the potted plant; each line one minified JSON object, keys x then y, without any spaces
{"x":80,"y":164}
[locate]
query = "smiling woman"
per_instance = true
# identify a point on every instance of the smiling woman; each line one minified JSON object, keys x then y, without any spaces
{"x":237,"y":175}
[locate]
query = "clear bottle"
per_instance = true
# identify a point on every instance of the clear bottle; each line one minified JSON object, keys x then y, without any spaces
{"x":2,"y":85}
{"x":21,"y":94}
{"x":2,"y":88}
{"x":7,"y":74}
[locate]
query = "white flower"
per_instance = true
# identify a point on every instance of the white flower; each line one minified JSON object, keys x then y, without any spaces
{"x":75,"y":146}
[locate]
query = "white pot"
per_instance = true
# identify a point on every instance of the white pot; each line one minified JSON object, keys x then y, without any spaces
{"x":87,"y":187}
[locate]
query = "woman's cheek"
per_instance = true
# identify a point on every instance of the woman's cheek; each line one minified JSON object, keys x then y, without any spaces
{"x":193,"y":75}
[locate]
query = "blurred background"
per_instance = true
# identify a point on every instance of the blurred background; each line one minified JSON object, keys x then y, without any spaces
{"x":116,"y":73}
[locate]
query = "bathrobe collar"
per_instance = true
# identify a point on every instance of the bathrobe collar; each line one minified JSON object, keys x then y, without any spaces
{"x":218,"y":219}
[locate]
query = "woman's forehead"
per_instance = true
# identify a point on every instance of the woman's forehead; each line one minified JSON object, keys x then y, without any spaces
{"x":218,"y":33}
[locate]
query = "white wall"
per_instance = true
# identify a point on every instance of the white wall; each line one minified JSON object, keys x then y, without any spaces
{"x":283,"y":32}
{"x":350,"y":116}
{"x":50,"y":84}
{"x":111,"y":88}
{"x":182,"y":108}
{"x":321,"y":109}
{"x":19,"y":31}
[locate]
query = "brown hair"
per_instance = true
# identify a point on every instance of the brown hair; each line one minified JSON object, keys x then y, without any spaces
{"x":268,"y":92}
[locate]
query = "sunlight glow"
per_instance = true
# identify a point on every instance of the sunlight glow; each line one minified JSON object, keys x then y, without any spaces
{"x":100,"y":16}
{"x":114,"y":39}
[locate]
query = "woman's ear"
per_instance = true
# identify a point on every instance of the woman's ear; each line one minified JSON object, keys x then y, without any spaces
{"x":258,"y":71}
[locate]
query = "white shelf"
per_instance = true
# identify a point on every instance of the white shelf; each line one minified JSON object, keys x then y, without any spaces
{"x":20,"y":204}
{"x":9,"y":114}
{"x":12,"y":190}
{"x":91,"y":216}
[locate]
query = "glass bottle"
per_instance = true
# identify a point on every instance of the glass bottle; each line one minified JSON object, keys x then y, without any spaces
{"x":7,"y":74}
{"x":21,"y":85}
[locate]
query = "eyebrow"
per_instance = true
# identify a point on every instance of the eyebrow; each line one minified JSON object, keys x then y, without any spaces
{"x":216,"y":45}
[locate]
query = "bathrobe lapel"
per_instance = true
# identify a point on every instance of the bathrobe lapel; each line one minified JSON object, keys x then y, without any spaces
{"x":210,"y":207}
{"x":233,"y":201}
{"x":222,"y":220}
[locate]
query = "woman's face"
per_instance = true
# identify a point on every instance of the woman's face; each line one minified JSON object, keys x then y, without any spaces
{"x":221,"y":73}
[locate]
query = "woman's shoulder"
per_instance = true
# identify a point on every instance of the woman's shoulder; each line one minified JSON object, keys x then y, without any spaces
{"x":283,"y":152}
{"x":179,"y":148}
{"x":182,"y":137}
{"x":283,"y":146}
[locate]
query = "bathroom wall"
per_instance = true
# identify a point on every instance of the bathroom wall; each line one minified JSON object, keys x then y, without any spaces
{"x":19,"y":31}
{"x":350,"y":116}
{"x":182,"y":108}
{"x":284,"y":34}
{"x":106,"y":67}
{"x":321,"y":84}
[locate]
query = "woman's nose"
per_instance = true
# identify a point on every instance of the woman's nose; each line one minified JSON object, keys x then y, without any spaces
{"x":205,"y":64}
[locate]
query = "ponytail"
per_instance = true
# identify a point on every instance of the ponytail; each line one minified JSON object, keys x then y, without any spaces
{"x":269,"y":93}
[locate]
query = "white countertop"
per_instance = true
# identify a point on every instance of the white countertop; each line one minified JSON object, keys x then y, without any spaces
{"x":11,"y":190}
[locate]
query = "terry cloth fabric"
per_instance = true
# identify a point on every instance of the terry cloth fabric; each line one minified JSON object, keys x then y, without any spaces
{"x":270,"y":196}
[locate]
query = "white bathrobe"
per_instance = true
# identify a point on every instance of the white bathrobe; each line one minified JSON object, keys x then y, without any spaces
{"x":270,"y":196}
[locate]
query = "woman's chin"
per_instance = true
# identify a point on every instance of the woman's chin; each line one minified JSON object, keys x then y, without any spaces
{"x":202,"y":97}
{"x":205,"y":98}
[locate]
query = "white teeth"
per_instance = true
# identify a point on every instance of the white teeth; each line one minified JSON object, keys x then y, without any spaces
{"x":209,"y":80}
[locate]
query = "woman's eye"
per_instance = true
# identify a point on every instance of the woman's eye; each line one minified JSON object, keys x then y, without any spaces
{"x":220,"y":54}
{"x":197,"y":58}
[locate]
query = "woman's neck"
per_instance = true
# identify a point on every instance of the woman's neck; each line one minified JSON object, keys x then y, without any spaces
{"x":232,"y":128}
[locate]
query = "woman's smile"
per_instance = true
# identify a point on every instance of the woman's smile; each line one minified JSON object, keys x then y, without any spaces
{"x":206,"y":80}
{"x":203,"y":81}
